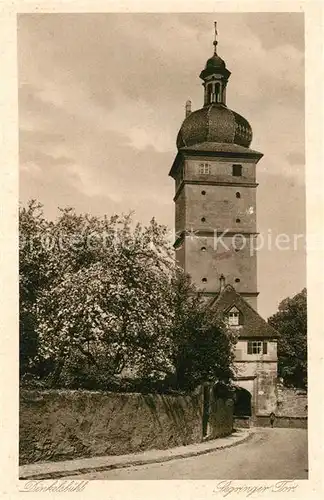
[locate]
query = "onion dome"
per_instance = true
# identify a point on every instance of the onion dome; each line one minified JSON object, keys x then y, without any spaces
{"x":214,"y":123}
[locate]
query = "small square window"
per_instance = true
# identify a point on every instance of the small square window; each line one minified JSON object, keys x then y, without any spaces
{"x":237,"y":170}
{"x":204,"y":168}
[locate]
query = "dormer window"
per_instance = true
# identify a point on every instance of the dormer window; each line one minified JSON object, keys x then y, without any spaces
{"x":233,"y":317}
{"x":204,"y":168}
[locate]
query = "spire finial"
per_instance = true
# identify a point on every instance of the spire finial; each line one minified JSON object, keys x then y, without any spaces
{"x":215,"y":40}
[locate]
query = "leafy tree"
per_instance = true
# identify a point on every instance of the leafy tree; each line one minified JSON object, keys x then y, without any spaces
{"x":291,"y":323}
{"x":106,"y":301}
{"x":203,"y":345}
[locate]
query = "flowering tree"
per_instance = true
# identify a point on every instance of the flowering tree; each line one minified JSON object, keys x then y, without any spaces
{"x":118,"y":318}
{"x":108,"y":301}
{"x":33,"y":278}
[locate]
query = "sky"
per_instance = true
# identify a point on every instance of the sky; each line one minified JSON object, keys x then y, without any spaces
{"x":101,"y":100}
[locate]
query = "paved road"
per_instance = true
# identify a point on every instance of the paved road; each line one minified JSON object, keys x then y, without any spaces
{"x":269,"y":454}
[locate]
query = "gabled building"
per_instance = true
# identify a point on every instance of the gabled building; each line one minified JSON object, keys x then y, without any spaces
{"x":255,"y":352}
{"x":215,"y":220}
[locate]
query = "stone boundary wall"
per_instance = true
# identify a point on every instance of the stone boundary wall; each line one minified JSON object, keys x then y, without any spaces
{"x":281,"y":421}
{"x":291,"y":402}
{"x":242,"y":422}
{"x":264,"y":421}
{"x":63,"y":424}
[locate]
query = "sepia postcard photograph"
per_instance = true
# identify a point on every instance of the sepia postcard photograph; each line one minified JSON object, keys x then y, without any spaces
{"x":163,"y":291}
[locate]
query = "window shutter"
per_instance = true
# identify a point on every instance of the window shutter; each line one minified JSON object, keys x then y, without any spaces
{"x":249,"y":347}
{"x":265,"y":348}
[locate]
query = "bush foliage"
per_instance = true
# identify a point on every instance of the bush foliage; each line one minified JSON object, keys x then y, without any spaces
{"x":291,"y":323}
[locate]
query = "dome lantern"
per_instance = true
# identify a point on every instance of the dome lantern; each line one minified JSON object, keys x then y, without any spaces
{"x":215,"y":76}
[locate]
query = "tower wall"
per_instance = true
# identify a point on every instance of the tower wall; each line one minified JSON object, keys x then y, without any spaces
{"x":205,"y":258}
{"x":180,"y":213}
{"x":220,"y":208}
{"x":220,"y":169}
{"x":216,"y":223}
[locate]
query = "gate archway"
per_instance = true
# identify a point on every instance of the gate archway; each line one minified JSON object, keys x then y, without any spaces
{"x":242,"y":402}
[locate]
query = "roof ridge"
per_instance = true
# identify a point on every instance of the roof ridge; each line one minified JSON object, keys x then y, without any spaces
{"x":220,"y":294}
{"x":255,"y":311}
{"x":238,"y":298}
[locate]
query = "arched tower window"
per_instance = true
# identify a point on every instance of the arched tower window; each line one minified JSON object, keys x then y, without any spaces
{"x":214,"y":91}
{"x":218,"y":92}
{"x":209,"y":92}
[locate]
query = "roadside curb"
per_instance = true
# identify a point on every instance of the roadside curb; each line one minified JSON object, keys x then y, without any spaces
{"x":98,"y":464}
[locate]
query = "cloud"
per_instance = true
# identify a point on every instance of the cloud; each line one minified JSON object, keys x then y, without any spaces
{"x":277,"y":28}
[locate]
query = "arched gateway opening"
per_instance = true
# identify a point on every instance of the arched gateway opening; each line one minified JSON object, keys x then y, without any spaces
{"x":242,"y":402}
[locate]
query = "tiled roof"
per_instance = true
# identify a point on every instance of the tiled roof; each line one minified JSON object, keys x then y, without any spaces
{"x":253,"y":325}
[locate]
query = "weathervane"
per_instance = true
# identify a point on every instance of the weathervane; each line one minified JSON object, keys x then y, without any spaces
{"x":215,"y":41}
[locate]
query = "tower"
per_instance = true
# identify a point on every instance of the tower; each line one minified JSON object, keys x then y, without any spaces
{"x":215,"y":191}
